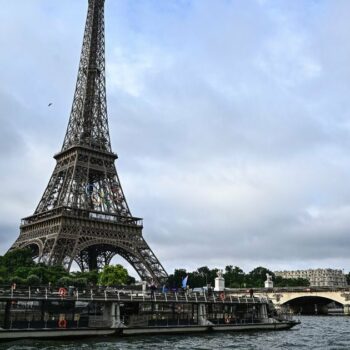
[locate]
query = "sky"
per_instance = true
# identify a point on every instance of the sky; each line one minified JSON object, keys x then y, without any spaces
{"x":231,"y":119}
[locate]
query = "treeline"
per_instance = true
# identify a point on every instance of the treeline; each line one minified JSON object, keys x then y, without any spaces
{"x":18,"y":267}
{"x":234,"y":277}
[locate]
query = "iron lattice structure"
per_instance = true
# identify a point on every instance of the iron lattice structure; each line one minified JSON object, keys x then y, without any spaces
{"x":83,"y":215}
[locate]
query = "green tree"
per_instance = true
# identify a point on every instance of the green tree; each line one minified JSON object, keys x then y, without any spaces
{"x":3,"y":273}
{"x":65,"y":282}
{"x":199,"y":278}
{"x":33,"y":280}
{"x":196,"y":279}
{"x":204,"y":271}
{"x":18,"y":280}
{"x":90,"y":276}
{"x":81,"y":282}
{"x":257,"y":277}
{"x":49,"y":273}
{"x":113,"y":275}
{"x":234,"y":277}
{"x":208,"y":274}
{"x":290,"y":282}
{"x":17,"y":258}
{"x":22,"y":272}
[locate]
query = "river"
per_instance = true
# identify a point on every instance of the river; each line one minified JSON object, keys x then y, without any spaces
{"x":323,"y":332}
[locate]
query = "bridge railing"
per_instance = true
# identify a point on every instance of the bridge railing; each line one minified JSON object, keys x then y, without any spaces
{"x":288,"y":290}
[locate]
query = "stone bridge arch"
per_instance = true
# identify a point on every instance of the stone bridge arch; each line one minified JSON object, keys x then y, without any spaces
{"x":320,"y":298}
{"x":337,"y":296}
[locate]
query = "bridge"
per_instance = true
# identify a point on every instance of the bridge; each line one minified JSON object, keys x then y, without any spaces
{"x":304,"y":300}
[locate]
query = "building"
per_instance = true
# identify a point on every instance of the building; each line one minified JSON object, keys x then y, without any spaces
{"x":317,"y":277}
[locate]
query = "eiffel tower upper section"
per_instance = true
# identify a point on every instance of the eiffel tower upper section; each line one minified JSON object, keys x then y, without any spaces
{"x":88,"y":132}
{"x":88,"y":124}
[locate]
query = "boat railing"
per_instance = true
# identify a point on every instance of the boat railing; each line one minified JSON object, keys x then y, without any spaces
{"x":236,"y":321}
{"x":115,"y":294}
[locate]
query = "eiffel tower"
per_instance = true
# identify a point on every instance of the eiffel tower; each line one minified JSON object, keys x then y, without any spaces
{"x":83,"y":215}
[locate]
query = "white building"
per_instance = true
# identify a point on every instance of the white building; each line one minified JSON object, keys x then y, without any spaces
{"x":317,"y":277}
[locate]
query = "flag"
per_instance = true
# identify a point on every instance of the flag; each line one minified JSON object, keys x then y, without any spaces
{"x":184,"y":282}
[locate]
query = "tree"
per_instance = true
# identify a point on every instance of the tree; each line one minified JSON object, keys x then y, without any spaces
{"x":22,"y":272}
{"x":197,"y":279}
{"x":81,"y":282}
{"x":291,"y":282}
{"x":33,"y":280}
{"x":90,"y":276}
{"x":257,"y":277}
{"x":65,"y":281}
{"x":3,"y":273}
{"x":18,"y":280}
{"x":234,"y":277}
{"x":113,"y":275}
{"x":17,"y":258}
{"x":49,"y":273}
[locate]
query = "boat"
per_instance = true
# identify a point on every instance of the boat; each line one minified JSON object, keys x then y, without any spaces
{"x":45,"y":314}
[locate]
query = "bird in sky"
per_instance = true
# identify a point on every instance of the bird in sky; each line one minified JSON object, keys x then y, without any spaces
{"x":50,"y":104}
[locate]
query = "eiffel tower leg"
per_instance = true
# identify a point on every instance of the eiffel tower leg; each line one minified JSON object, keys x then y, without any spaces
{"x":46,"y":255}
{"x":59,"y":247}
{"x":74,"y":258}
{"x":92,"y":259}
{"x":150,"y":264}
{"x":79,"y":259}
{"x":144,"y":269}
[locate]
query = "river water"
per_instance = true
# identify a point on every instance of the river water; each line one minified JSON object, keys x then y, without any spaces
{"x":327,"y":332}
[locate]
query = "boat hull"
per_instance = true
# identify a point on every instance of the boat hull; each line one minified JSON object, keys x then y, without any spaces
{"x":14,"y":334}
{"x":256,"y":327}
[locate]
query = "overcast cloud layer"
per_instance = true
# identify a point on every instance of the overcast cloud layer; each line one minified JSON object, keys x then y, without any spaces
{"x":231,"y":119}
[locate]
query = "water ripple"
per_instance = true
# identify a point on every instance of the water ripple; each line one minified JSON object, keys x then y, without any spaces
{"x":316,"y":333}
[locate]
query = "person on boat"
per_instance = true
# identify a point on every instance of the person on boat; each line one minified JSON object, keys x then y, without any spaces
{"x":251,"y":292}
{"x":153,"y":289}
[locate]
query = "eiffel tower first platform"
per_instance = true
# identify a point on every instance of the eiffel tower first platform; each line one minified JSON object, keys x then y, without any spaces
{"x":83,"y":215}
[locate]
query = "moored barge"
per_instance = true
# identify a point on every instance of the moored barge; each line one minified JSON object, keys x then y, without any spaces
{"x":39,"y":313}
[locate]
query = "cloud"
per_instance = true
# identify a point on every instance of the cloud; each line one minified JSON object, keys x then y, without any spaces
{"x":231,"y":120}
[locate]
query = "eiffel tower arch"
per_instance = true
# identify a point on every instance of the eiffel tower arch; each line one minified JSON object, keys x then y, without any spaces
{"x":83,"y":215}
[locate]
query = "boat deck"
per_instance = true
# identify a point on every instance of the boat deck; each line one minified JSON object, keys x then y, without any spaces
{"x":120,"y":295}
